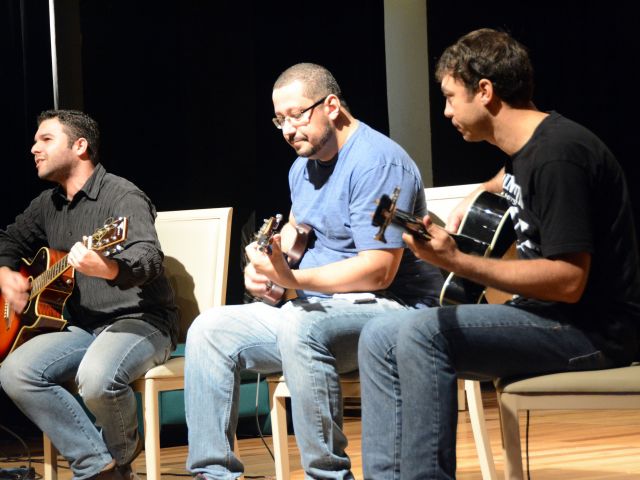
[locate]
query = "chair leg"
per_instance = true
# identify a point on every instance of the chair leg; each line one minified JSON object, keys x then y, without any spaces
{"x":462,"y":400}
{"x":479,"y":428}
{"x":50,"y":459}
{"x":279,"y":430}
{"x":151,"y":416}
{"x":510,"y":427}
{"x":236,"y":452}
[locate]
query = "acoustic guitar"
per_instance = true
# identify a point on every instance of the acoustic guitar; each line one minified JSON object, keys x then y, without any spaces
{"x":486,"y":230}
{"x":52,"y":282}
{"x":272,"y":225}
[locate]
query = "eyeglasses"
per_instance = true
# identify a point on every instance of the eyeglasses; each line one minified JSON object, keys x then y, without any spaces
{"x":297,"y":119}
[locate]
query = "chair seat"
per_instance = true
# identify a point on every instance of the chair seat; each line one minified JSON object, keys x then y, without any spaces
{"x":611,"y":381}
{"x":349,"y":383}
{"x":174,"y":367}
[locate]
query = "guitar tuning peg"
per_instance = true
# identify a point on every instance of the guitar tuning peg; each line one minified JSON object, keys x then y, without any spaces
{"x":119,"y":248}
{"x":106,"y":253}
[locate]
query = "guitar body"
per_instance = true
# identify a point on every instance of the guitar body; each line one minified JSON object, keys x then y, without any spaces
{"x":276,"y":294}
{"x":486,"y":230}
{"x":51,"y":283}
{"x":42,"y":313}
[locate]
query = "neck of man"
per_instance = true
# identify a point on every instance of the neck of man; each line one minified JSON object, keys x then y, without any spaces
{"x":514,"y":126}
{"x":345,"y":126}
{"x":77,"y":178}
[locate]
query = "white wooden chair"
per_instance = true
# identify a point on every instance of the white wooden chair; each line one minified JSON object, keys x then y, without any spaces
{"x":440,"y":201}
{"x":196,"y":248}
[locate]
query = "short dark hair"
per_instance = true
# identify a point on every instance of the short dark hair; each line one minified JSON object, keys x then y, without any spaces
{"x":77,"y":125}
{"x":317,"y":81}
{"x":494,"y":55}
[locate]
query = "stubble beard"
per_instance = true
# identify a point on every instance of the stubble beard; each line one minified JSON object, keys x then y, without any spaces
{"x":313,"y":149}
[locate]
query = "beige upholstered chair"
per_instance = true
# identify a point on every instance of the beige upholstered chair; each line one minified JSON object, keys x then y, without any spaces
{"x":612,"y":389}
{"x":196,"y":248}
{"x":440,"y":201}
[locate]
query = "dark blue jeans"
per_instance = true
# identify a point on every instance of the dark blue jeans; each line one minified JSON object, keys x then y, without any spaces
{"x":409,"y":365}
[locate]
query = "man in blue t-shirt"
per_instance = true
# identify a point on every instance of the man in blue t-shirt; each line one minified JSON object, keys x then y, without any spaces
{"x":344,"y":278}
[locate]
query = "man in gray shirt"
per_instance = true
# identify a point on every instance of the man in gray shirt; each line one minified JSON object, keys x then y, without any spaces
{"x":121,"y":313}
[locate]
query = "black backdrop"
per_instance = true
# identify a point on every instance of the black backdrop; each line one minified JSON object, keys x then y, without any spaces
{"x":182,"y":89}
{"x":584,"y":57}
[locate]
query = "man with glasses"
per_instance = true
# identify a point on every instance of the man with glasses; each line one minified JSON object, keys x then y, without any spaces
{"x":344,"y":278}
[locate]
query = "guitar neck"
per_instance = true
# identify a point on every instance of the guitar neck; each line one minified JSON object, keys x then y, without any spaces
{"x":414,"y":225}
{"x":43,"y":280}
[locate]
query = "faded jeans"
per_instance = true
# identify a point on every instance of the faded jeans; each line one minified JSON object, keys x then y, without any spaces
{"x":102,"y":366}
{"x":410,"y":363}
{"x":312,"y":341}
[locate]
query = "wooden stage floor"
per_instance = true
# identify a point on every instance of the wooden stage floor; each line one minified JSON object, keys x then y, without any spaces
{"x":585,"y":445}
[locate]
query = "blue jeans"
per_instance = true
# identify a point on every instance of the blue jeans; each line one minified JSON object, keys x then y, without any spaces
{"x":312,"y":341}
{"x":410,"y":363}
{"x":102,"y":365}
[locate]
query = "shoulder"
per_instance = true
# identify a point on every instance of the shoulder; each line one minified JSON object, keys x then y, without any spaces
{"x":559,"y":140}
{"x":120,"y":183}
{"x":371,"y":149}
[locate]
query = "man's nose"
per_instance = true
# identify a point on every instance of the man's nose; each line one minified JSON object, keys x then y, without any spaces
{"x":287,"y":128}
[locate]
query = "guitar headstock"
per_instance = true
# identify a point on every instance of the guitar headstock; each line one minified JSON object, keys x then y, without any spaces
{"x":269,"y":228}
{"x":107,"y":238}
{"x":385,"y":211}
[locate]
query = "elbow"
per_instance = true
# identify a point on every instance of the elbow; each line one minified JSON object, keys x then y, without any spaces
{"x":572,"y":292}
{"x":382,"y":280}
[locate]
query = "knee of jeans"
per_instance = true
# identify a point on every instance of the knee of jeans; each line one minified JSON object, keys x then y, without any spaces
{"x":376,"y":338}
{"x":14,"y":375}
{"x":418,"y":331}
{"x":7,"y":376}
{"x":295,"y":332}
{"x":202,"y":326}
{"x":94,"y":383}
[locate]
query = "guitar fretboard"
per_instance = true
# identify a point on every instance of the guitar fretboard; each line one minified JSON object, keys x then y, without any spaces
{"x":49,"y":275}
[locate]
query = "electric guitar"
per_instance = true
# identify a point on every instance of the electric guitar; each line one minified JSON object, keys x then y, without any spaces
{"x":275,"y":293}
{"x":52,"y":283}
{"x":486,"y":230}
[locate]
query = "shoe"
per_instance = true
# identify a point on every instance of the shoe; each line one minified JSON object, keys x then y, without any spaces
{"x":125,"y":470}
{"x":127,"y":473}
{"x":112,"y":474}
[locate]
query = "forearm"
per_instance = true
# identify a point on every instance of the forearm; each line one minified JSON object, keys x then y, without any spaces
{"x":560,"y":280}
{"x":355,"y":274}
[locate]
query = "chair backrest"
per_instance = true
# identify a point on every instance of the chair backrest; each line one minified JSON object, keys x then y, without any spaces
{"x":441,"y":200}
{"x":196,"y":248}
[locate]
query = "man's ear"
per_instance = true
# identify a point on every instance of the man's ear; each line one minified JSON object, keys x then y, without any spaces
{"x":485,"y":90}
{"x":80,"y":147}
{"x":332,"y":106}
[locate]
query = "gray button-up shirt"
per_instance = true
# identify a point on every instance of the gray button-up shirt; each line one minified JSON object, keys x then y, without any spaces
{"x":140,"y":290}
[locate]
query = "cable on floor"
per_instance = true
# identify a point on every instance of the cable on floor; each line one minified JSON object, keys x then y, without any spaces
{"x":19,"y":474}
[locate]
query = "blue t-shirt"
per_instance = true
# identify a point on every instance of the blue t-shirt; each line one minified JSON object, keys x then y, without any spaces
{"x":337,"y":199}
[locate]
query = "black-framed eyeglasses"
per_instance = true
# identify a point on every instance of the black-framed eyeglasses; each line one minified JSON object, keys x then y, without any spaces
{"x":297,"y":119}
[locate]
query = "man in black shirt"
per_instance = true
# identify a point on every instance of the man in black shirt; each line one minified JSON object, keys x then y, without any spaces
{"x":577,"y":281}
{"x":122,"y":317}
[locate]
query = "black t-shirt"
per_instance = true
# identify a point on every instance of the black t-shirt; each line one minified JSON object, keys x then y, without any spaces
{"x":569,"y":195}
